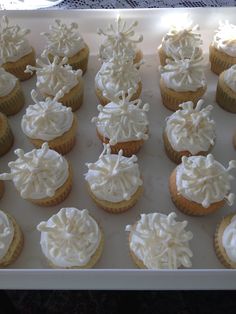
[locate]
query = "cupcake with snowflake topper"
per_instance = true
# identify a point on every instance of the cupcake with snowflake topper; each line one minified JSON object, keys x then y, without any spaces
{"x":15,"y":50}
{"x":201,"y":185}
{"x":57,"y":75}
{"x":119,"y":38}
{"x":118,"y":74}
{"x":65,"y":41}
{"x":222,"y":51}
{"x":123,"y":123}
{"x":50,"y":121}
{"x":182,"y":80}
{"x":114,"y":181}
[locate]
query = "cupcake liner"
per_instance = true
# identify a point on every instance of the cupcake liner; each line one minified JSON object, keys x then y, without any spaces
{"x":16,"y":245}
{"x":162,"y":56}
{"x":219,"y":60}
{"x":59,"y":196}
{"x":189,"y":207}
{"x":13,"y":102}
{"x":120,"y":207}
{"x":6,"y":135}
{"x":134,"y":258}
{"x":2,"y":188}
{"x":74,"y":98}
{"x":172,"y":99}
{"x":138,"y":57}
{"x":225,"y":97}
{"x":18,"y":67}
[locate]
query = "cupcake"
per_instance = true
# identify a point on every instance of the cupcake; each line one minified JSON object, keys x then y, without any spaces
{"x":201,"y":185}
{"x":71,"y":239}
{"x":123,"y":124}
{"x":114,"y":181}
{"x":120,"y":38}
{"x":50,"y":121}
{"x":189,"y":131}
{"x":158,"y":241}
{"x":11,"y":239}
{"x":118,"y":74}
{"x":15,"y":50}
{"x":226,"y":90}
{"x":222,"y":51}
{"x":41,"y":176}
{"x":11,"y":95}
{"x":56,"y":76}
{"x":225,"y":241}
{"x":65,"y":41}
{"x":183,"y":37}
{"x":182,"y":80}
{"x":6,"y":135}
{"x":1,"y":189}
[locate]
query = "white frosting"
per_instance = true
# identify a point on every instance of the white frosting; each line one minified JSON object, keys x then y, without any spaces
{"x":63,"y":40}
{"x":191,"y":129}
{"x":54,"y":76}
{"x":46,"y":120}
{"x":161,"y":242}
{"x":184,"y":75}
{"x":118,"y":74}
{"x":7,"y":82}
{"x":204,"y":180}
{"x":70,"y":237}
{"x":123,"y":120}
{"x":113,"y":178}
{"x":225,"y":38}
{"x":13,"y":44}
{"x":230,"y":78}
{"x":229,"y":240}
{"x":6,"y":234}
{"x":119,"y":39}
{"x":38,"y":173}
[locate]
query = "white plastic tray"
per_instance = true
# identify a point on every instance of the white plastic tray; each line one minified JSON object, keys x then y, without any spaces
{"x":115,"y":269}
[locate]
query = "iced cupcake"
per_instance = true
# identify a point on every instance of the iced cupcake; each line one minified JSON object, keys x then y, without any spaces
{"x":120,"y":39}
{"x":118,"y":74}
{"x":15,"y":50}
{"x":158,"y":241}
{"x":182,"y":80}
{"x":189,"y":131}
{"x":50,"y":121}
{"x":65,"y":41}
{"x":71,"y":239}
{"x":11,"y":239}
{"x":226,"y":90}
{"x":123,"y":124}
{"x":201,"y":185}
{"x":56,"y":76}
{"x":222,"y":51}
{"x":114,"y":181}
{"x":41,"y":176}
{"x":6,"y":135}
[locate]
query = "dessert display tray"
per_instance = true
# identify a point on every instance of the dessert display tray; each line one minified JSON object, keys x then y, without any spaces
{"x":115,"y":269}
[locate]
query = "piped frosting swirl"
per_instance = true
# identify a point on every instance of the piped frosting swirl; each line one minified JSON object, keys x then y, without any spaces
{"x":7,"y":82}
{"x":229,"y":240}
{"x":229,"y":77}
{"x":225,"y":38}
{"x":6,"y":234}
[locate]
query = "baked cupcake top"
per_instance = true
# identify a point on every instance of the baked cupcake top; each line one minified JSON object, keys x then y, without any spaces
{"x":54,"y":76}
{"x":7,"y":82}
{"x":119,"y":38}
{"x":63,"y":40}
{"x":6,"y":234}
{"x":123,"y":120}
{"x":70,"y":237}
{"x":184,"y":75}
{"x":118,"y":74}
{"x":38,"y":173}
{"x":46,"y":120}
{"x":204,"y":180}
{"x":229,"y":240}
{"x":13,"y":42}
{"x":225,"y":38}
{"x":190,"y":128}
{"x":160,"y":241}
{"x":112,"y":177}
{"x":229,"y":77}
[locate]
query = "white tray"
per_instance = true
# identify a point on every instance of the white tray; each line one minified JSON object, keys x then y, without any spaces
{"x":115,"y":269}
